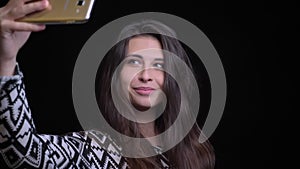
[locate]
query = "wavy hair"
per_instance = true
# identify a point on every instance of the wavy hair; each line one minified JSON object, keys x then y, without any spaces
{"x":188,"y":153}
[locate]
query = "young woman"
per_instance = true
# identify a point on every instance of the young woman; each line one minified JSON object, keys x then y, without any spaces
{"x":136,"y":68}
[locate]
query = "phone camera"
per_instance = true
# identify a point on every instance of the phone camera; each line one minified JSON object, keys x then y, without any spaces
{"x":80,"y":2}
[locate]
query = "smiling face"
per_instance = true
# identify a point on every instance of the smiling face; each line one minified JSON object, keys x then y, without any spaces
{"x":142,"y":74}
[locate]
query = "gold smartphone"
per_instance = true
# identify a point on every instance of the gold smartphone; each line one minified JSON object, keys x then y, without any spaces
{"x":62,"y":12}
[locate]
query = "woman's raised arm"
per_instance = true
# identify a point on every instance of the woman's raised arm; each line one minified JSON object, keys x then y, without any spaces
{"x":14,"y":34}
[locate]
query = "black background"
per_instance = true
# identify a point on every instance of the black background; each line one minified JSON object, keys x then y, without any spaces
{"x":249,"y":38}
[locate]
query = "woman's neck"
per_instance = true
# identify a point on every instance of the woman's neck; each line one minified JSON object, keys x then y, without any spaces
{"x":148,"y":131}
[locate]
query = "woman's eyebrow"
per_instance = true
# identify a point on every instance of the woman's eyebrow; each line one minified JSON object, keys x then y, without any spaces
{"x":141,"y":57}
{"x":159,"y":59}
{"x":136,"y":55}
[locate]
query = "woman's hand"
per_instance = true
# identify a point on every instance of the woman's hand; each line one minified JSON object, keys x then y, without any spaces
{"x":14,"y":34}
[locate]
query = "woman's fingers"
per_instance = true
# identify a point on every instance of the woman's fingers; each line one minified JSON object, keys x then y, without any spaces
{"x":16,"y":9}
{"x":22,"y":26}
{"x":35,"y":6}
{"x":27,"y":1}
{"x":20,"y":9}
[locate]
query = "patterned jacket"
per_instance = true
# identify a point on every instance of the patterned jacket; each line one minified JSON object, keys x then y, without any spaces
{"x":22,"y":147}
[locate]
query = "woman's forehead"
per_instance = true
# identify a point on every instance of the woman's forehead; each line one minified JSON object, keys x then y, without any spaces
{"x":139,"y":43}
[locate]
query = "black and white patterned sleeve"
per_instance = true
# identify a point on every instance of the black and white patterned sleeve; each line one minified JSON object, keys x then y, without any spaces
{"x":22,"y":147}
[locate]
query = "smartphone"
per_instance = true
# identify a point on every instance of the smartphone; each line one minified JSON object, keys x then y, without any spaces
{"x":62,"y":12}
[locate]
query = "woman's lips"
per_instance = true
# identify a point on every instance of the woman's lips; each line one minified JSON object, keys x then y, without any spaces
{"x":145,"y":91}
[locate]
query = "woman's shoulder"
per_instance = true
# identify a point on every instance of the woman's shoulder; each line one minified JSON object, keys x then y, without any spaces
{"x":96,"y":139}
{"x":97,"y":147}
{"x":104,"y":140}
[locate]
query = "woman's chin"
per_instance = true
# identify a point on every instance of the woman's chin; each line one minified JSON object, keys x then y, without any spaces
{"x":142,"y":107}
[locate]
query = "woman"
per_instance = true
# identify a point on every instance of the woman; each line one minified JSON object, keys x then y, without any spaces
{"x":140,"y":80}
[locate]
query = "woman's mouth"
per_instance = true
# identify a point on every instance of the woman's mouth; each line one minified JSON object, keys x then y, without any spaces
{"x":144,"y":91}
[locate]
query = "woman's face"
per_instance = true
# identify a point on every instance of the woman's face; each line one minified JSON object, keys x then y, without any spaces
{"x":142,"y":74}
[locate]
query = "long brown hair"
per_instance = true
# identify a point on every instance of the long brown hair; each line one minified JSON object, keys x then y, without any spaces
{"x":189,"y":153}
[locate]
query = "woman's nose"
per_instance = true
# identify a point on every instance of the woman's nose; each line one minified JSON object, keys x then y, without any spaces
{"x":145,"y":75}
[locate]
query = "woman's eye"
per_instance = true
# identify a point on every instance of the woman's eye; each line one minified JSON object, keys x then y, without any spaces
{"x":159,"y":65}
{"x":134,"y":62}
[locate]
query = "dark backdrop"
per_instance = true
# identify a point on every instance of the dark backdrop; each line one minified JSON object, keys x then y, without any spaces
{"x":248,"y":38}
